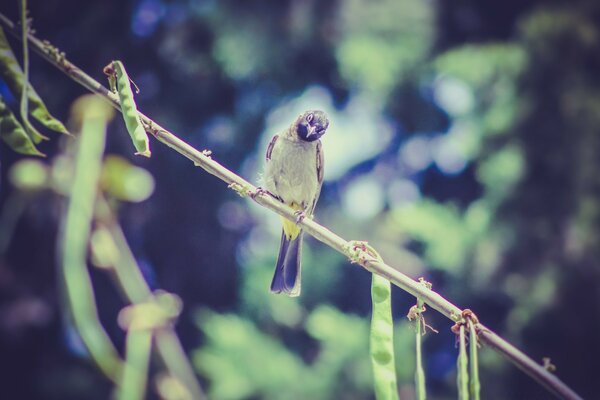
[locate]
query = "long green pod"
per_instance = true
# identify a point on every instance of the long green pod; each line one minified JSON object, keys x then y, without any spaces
{"x":134,"y":380}
{"x":24,"y":103}
{"x":94,"y":114}
{"x":462,"y":377}
{"x":13,"y":134}
{"x":475,"y":385}
{"x":420,"y":388}
{"x":132,"y":282}
{"x":130,"y":112}
{"x":381,"y":340}
{"x":13,"y":75}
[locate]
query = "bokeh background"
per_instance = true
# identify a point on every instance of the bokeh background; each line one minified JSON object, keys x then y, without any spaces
{"x":463,"y":145}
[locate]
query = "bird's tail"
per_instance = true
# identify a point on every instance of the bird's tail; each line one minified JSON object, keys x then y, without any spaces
{"x":287,"y":271}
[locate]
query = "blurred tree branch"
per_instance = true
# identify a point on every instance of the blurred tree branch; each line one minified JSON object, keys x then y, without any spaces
{"x":321,"y":233}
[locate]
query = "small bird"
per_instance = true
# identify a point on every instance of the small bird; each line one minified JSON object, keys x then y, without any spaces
{"x":294,"y":175}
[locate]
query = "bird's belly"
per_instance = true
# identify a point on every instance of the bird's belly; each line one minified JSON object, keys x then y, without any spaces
{"x":294,"y":175}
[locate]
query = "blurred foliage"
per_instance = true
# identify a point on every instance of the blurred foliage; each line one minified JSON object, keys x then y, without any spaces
{"x":243,"y":362}
{"x":28,"y":175}
{"x":124,"y":181}
{"x":464,"y":144}
{"x":381,"y":43}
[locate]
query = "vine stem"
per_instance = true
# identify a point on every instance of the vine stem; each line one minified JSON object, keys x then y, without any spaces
{"x":321,"y":233}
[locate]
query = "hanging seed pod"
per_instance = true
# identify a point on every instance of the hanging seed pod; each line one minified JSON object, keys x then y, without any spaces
{"x":128,"y":107}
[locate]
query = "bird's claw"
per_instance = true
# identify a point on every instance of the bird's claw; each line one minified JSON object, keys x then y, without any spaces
{"x":300,"y":215}
{"x":259,"y":192}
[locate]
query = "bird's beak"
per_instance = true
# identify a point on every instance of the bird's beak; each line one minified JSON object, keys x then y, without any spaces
{"x":311,"y":131}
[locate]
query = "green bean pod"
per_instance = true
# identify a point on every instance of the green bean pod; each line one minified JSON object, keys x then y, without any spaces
{"x":14,"y":77}
{"x":462,"y":376}
{"x":13,"y":134}
{"x":474,"y":384}
{"x":381,"y":340}
{"x":130,"y":112}
{"x":420,"y":388}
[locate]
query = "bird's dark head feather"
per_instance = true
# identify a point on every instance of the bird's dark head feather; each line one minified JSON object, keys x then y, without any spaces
{"x":311,"y":125}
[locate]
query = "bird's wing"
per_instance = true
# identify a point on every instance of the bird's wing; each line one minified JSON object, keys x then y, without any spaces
{"x":270,"y":147}
{"x":320,"y":163}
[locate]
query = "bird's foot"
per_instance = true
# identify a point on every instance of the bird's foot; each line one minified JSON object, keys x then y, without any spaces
{"x":260,"y":191}
{"x":300,"y":215}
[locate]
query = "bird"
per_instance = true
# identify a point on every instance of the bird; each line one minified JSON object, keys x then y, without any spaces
{"x":293,"y":174}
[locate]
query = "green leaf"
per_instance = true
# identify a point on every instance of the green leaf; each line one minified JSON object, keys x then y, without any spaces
{"x":13,"y":133}
{"x":382,"y":340}
{"x":130,"y":112}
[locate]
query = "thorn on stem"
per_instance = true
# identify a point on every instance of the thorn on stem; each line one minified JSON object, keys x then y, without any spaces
{"x":547,"y":364}
{"x":207,"y":153}
{"x":425,"y":283}
{"x":242,"y":191}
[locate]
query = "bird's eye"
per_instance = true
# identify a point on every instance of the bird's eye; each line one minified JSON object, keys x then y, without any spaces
{"x":309,"y":118}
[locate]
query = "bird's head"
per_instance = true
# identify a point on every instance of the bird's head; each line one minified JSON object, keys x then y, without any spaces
{"x":311,"y":125}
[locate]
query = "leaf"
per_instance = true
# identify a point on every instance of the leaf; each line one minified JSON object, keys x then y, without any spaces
{"x":14,"y":77}
{"x":13,"y":133}
{"x":130,"y":112}
{"x":382,"y":340}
